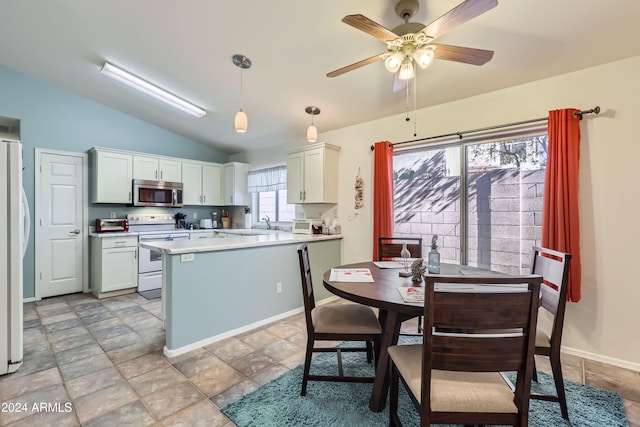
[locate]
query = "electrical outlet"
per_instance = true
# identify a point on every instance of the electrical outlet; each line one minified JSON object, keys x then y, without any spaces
{"x":187,"y":257}
{"x":112,"y":215}
{"x":195,"y":215}
{"x":278,"y":287}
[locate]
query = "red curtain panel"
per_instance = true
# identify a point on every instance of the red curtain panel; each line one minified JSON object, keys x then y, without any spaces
{"x":560,"y":219}
{"x":382,"y":193}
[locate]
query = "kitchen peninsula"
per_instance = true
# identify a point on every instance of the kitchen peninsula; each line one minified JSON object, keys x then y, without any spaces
{"x":216,"y":288}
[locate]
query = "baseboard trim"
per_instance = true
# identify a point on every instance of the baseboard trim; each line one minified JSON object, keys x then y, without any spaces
{"x":602,"y":359}
{"x":202,"y":343}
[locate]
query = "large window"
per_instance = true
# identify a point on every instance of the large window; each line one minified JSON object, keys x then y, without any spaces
{"x":269,"y":200}
{"x":274,"y":205}
{"x":482,"y":199}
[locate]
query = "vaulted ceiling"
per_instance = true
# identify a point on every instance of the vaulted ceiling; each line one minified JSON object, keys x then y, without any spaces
{"x":186,"y":47}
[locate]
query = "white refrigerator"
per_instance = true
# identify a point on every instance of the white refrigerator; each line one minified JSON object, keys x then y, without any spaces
{"x":14,"y":235}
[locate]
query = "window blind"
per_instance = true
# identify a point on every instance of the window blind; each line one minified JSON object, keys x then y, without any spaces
{"x":269,"y":179}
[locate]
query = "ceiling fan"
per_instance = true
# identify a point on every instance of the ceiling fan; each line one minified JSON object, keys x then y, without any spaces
{"x":411,"y":43}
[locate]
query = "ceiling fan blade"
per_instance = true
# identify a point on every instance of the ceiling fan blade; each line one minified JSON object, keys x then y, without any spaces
{"x":365,"y":24}
{"x":467,"y":55}
{"x":357,"y":65}
{"x":460,"y":14}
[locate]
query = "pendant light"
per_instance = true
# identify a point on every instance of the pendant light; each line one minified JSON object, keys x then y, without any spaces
{"x":241,"y":121}
{"x":312,"y":131}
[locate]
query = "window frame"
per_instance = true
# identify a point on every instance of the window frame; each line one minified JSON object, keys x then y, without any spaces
{"x":463,"y":145}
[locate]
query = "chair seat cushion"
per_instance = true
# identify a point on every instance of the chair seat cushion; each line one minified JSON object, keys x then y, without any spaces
{"x":454,"y":391}
{"x":345,"y":319}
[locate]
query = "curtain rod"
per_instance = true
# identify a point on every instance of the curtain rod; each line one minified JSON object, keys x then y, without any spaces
{"x":595,"y":110}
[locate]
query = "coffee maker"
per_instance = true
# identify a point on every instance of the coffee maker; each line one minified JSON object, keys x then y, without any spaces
{"x":214,"y":221}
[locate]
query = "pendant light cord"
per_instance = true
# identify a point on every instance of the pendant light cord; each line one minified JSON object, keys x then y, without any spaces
{"x":241,"y":70}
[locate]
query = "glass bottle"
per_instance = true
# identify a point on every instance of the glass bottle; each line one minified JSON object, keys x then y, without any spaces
{"x":433,"y":261}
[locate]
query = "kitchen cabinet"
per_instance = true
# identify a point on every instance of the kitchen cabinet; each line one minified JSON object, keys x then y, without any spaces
{"x":201,"y":183}
{"x":157,"y":169}
{"x":114,"y":265}
{"x":312,"y":174}
{"x":112,"y":175}
{"x":234,"y":184}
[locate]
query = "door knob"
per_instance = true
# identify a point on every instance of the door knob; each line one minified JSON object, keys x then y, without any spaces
{"x":76,"y":231}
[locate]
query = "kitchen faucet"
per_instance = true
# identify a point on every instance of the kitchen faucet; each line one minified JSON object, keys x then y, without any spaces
{"x":268,"y":221}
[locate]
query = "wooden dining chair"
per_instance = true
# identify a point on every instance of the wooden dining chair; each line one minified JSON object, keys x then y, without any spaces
{"x":335,"y":322}
{"x":390,"y":247}
{"x":553,"y":266}
{"x":455,"y":377}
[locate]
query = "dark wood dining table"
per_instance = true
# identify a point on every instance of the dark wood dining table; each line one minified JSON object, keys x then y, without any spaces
{"x":383,"y":294}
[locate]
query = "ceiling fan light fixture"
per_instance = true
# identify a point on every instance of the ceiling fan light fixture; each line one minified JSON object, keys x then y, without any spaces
{"x":423,"y":56}
{"x":241,"y":122}
{"x":407,"y":70}
{"x":312,"y":131}
{"x":393,"y":62}
{"x":147,"y":88}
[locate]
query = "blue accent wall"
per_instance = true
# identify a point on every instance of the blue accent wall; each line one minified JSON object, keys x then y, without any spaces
{"x":54,"y":118}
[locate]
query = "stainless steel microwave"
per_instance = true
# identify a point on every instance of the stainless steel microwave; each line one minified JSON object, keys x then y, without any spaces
{"x":157,"y":193}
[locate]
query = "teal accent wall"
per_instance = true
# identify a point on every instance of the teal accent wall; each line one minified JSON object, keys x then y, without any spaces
{"x":225,"y":290}
{"x":54,"y":118}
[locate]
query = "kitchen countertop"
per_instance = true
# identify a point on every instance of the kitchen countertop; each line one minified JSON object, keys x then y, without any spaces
{"x":239,"y":242}
{"x":243,"y":231}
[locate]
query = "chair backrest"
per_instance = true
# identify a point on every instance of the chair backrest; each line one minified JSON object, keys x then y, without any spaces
{"x":478,"y":331}
{"x":390,"y":247}
{"x":307,"y":284}
{"x":553,"y":266}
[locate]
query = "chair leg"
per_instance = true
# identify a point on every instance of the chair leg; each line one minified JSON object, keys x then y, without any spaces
{"x":307,"y":367}
{"x":369,"y":352}
{"x":419,"y":324}
{"x":394,"y":420}
{"x":376,"y":352}
{"x":535,"y":371}
{"x":556,"y":368}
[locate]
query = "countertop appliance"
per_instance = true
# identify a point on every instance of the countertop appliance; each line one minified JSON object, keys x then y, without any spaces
{"x":206,"y":223}
{"x":153,"y":228}
{"x":104,"y":225}
{"x":214,"y":221}
{"x":307,"y":226}
{"x":14,"y":237}
{"x":157,"y":193}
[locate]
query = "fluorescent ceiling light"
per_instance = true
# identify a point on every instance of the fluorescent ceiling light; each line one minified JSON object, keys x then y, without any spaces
{"x":151,"y":90}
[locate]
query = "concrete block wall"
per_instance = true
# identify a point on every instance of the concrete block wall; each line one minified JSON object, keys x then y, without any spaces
{"x":504,"y":214}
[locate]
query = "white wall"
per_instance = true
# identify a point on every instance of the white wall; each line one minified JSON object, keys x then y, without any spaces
{"x":603,"y":325}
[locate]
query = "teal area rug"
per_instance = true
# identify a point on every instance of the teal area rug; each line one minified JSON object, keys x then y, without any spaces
{"x":278,"y":403}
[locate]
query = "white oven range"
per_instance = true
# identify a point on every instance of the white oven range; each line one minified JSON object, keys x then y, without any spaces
{"x":152,"y":228}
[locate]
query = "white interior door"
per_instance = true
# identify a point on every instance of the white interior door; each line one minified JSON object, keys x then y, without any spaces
{"x":60,"y":224}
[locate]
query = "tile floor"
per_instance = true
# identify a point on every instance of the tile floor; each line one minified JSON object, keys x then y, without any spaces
{"x":99,"y":363}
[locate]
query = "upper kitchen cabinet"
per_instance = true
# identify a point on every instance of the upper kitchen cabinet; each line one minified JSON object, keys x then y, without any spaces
{"x":157,"y":169}
{"x":201,"y":183}
{"x":112,"y":175}
{"x":312,"y":174}
{"x":234,"y":184}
